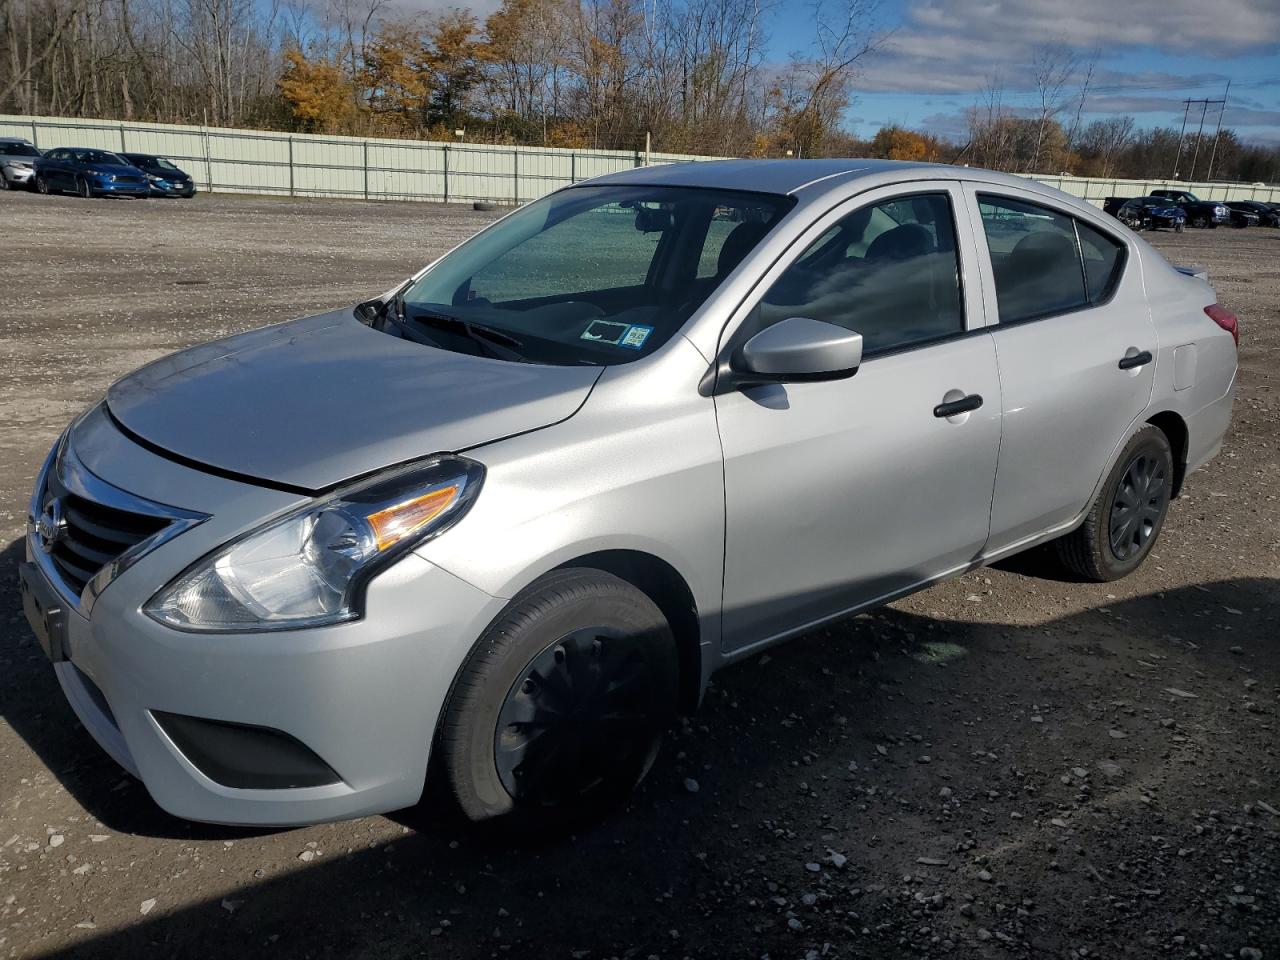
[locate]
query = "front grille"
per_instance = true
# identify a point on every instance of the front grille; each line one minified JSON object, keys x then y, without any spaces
{"x":95,"y":534}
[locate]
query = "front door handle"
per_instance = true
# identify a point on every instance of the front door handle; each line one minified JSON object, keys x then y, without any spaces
{"x":954,"y":407}
{"x":1137,"y":360}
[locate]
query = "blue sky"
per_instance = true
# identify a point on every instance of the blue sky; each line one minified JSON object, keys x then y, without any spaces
{"x":1152,"y":55}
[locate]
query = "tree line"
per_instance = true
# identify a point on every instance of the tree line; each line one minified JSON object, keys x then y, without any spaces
{"x":683,"y":76}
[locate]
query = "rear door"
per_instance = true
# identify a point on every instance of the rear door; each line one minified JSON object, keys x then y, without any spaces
{"x":53,"y":167}
{"x":1075,"y":345}
{"x":841,"y":493}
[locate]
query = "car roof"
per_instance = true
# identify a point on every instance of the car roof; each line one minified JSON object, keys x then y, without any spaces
{"x":812,"y":178}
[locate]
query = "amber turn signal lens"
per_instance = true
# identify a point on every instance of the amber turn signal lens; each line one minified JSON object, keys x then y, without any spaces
{"x":393,"y":524}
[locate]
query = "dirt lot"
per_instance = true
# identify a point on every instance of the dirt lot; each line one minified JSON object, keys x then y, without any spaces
{"x":1007,"y":765}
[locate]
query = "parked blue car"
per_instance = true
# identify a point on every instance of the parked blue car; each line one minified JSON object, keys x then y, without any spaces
{"x":166,"y":179}
{"x":89,"y":172}
{"x":1151,"y":213}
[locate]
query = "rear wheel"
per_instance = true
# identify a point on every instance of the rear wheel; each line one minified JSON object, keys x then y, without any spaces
{"x":560,"y":708}
{"x":1127,"y":516}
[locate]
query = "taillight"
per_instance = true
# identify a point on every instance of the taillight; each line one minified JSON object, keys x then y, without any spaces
{"x":1224,"y":318}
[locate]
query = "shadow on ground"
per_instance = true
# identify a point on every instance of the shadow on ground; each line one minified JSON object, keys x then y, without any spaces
{"x":838,"y":741}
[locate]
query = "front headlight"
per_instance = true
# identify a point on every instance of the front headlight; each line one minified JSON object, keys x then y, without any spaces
{"x":154,"y":179}
{"x":310,"y":567}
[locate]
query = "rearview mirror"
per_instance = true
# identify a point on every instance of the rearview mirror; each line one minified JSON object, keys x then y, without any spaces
{"x":796,"y":350}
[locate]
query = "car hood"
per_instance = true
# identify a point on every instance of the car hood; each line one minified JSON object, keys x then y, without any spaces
{"x":314,"y":402}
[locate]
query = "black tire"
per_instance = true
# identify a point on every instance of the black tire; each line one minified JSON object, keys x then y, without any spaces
{"x":42,"y":185}
{"x":1201,"y":222}
{"x":4,"y":183}
{"x":1128,"y":514}
{"x":83,"y":189}
{"x":605,"y":664}
{"x":1178,"y":227}
{"x":486,"y":205}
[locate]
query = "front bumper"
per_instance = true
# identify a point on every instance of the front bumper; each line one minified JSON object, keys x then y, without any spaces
{"x":114,"y":188}
{"x":363,"y":696}
{"x":170,"y":189}
{"x":18,"y":176}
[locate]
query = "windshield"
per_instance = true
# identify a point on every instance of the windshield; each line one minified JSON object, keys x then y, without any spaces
{"x":598,"y":275}
{"x":152,"y":163}
{"x":18,"y":150}
{"x":101,"y":156}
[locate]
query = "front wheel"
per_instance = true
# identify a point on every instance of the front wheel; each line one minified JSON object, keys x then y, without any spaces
{"x":83,"y":188}
{"x":42,"y":185}
{"x":1125,"y":519}
{"x":1178,"y":227}
{"x":559,"y":709}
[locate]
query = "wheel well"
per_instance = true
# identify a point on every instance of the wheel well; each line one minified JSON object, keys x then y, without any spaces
{"x":664,"y":585}
{"x":1175,"y":429}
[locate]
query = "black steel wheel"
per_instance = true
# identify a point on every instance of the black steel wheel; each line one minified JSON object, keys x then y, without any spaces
{"x":1126,"y":517}
{"x":1138,"y":504}
{"x":560,"y":708}
{"x":576,"y":718}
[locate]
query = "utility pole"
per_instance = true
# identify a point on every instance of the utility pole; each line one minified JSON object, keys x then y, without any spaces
{"x":1204,"y":110}
{"x":1214,"y":152}
{"x":1178,"y":156}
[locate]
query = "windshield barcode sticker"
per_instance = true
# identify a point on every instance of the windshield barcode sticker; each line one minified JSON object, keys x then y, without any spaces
{"x":635,"y":336}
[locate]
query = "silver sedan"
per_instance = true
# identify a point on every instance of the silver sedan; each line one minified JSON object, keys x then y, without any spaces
{"x":511,"y":516}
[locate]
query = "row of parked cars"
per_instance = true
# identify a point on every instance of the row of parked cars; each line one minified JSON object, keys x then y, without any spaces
{"x":1176,"y":209}
{"x":90,"y":171}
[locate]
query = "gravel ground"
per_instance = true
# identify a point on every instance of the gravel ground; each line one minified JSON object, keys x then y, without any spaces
{"x":1007,"y":765}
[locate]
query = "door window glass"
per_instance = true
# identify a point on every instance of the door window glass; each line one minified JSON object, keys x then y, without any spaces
{"x":1103,"y":261}
{"x":1035,"y":259}
{"x":889,"y":272}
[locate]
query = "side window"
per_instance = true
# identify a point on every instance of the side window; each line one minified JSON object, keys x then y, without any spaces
{"x":1103,"y":261}
{"x":599,"y":249}
{"x":1035,"y":258}
{"x":889,"y":272}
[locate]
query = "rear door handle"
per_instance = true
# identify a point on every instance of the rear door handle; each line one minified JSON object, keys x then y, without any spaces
{"x":950,"y":409}
{"x":1137,"y":360}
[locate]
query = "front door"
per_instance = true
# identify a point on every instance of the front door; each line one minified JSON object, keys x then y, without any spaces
{"x":841,"y":493}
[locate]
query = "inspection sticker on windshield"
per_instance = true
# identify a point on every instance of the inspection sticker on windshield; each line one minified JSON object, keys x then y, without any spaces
{"x":604,"y":331}
{"x":635,"y":336}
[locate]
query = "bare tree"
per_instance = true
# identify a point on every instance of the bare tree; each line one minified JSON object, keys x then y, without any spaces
{"x":1053,"y":65}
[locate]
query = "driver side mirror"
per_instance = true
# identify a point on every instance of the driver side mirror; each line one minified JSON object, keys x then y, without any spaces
{"x":795,"y":350}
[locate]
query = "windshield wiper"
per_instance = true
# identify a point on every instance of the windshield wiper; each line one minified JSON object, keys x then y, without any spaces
{"x":499,"y":345}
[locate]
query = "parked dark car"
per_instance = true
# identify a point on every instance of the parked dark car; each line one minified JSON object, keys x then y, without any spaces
{"x":1200,"y":213}
{"x":89,"y":172}
{"x":164,"y":176}
{"x":1267,"y":216}
{"x":1150,"y":213}
{"x":1112,"y":205}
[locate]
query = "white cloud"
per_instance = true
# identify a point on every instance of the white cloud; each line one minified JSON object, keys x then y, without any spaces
{"x":955,"y":46}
